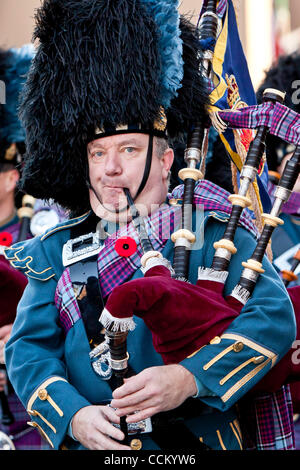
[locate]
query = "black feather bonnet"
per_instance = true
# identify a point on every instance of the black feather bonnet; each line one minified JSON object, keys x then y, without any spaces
{"x":100,"y":64}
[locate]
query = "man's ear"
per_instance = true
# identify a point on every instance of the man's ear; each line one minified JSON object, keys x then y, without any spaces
{"x":167,"y":162}
{"x":11,"y":180}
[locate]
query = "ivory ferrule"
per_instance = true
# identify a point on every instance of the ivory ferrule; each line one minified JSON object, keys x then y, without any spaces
{"x":192,"y":173}
{"x":280,"y":94}
{"x":272,"y":220}
{"x":147,"y":256}
{"x":183,"y":233}
{"x":225,"y":244}
{"x":238,"y":200}
{"x":253,"y":265}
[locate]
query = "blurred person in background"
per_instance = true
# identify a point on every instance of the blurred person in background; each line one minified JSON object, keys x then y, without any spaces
{"x":14,"y":65}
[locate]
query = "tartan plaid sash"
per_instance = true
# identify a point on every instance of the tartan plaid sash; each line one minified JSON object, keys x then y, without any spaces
{"x":281,"y":121}
{"x":112,"y":268}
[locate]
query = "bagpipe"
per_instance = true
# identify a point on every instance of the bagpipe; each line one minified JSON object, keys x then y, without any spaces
{"x":164,"y":298}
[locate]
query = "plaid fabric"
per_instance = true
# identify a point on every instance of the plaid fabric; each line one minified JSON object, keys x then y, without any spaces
{"x":292,"y":206}
{"x":281,"y":121}
{"x":114,"y":270}
{"x":65,"y":302}
{"x":215,"y":198}
{"x":267,"y":421}
{"x":23,"y":436}
{"x":222,"y":5}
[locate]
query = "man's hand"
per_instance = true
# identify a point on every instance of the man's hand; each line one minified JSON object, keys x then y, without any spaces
{"x":153,"y":390}
{"x":4,"y":337}
{"x":92,"y":426}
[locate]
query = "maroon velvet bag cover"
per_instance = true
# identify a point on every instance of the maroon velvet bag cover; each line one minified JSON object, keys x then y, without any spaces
{"x":12,"y":285}
{"x":184,"y":317}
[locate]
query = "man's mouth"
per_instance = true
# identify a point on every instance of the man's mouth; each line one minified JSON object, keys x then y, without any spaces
{"x":114,"y":190}
{"x":118,"y":189}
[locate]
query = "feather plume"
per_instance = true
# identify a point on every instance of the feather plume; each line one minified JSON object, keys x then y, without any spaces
{"x":102,"y":63}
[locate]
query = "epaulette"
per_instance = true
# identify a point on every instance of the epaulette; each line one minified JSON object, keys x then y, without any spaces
{"x":30,"y":256}
{"x":37,"y":267}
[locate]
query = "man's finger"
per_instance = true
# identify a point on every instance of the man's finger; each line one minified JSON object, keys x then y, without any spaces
{"x":106,"y":443}
{"x":131,"y":385}
{"x":142,"y":414}
{"x":133,"y":399}
{"x":132,"y":411}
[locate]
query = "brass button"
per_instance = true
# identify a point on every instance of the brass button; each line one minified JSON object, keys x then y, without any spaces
{"x":136,"y":444}
{"x":43,"y":394}
{"x":258,"y":359}
{"x":237,"y":347}
{"x":215,"y":340}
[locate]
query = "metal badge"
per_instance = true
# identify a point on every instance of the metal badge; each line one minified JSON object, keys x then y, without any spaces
{"x":100,"y":359}
{"x":81,"y":248}
{"x":140,"y":427}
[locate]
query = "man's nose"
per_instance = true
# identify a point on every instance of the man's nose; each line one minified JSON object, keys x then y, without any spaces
{"x":113,"y":164}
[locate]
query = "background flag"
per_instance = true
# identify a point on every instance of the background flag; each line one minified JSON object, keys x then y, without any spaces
{"x":231,"y":87}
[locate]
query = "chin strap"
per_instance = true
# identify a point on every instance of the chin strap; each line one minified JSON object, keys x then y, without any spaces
{"x":143,"y":182}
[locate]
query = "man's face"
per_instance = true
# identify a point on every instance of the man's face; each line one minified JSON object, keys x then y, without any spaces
{"x":118,"y":162}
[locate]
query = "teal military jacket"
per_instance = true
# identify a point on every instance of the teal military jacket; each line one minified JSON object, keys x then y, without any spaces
{"x":53,"y":376}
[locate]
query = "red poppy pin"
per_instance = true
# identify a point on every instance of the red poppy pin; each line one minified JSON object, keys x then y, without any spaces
{"x":125,"y":246}
{"x":6,"y":238}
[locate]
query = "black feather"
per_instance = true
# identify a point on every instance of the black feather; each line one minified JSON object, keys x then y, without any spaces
{"x":97,"y":63}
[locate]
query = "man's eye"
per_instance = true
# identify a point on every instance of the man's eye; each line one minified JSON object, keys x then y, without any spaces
{"x":97,"y":154}
{"x":129,"y":149}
